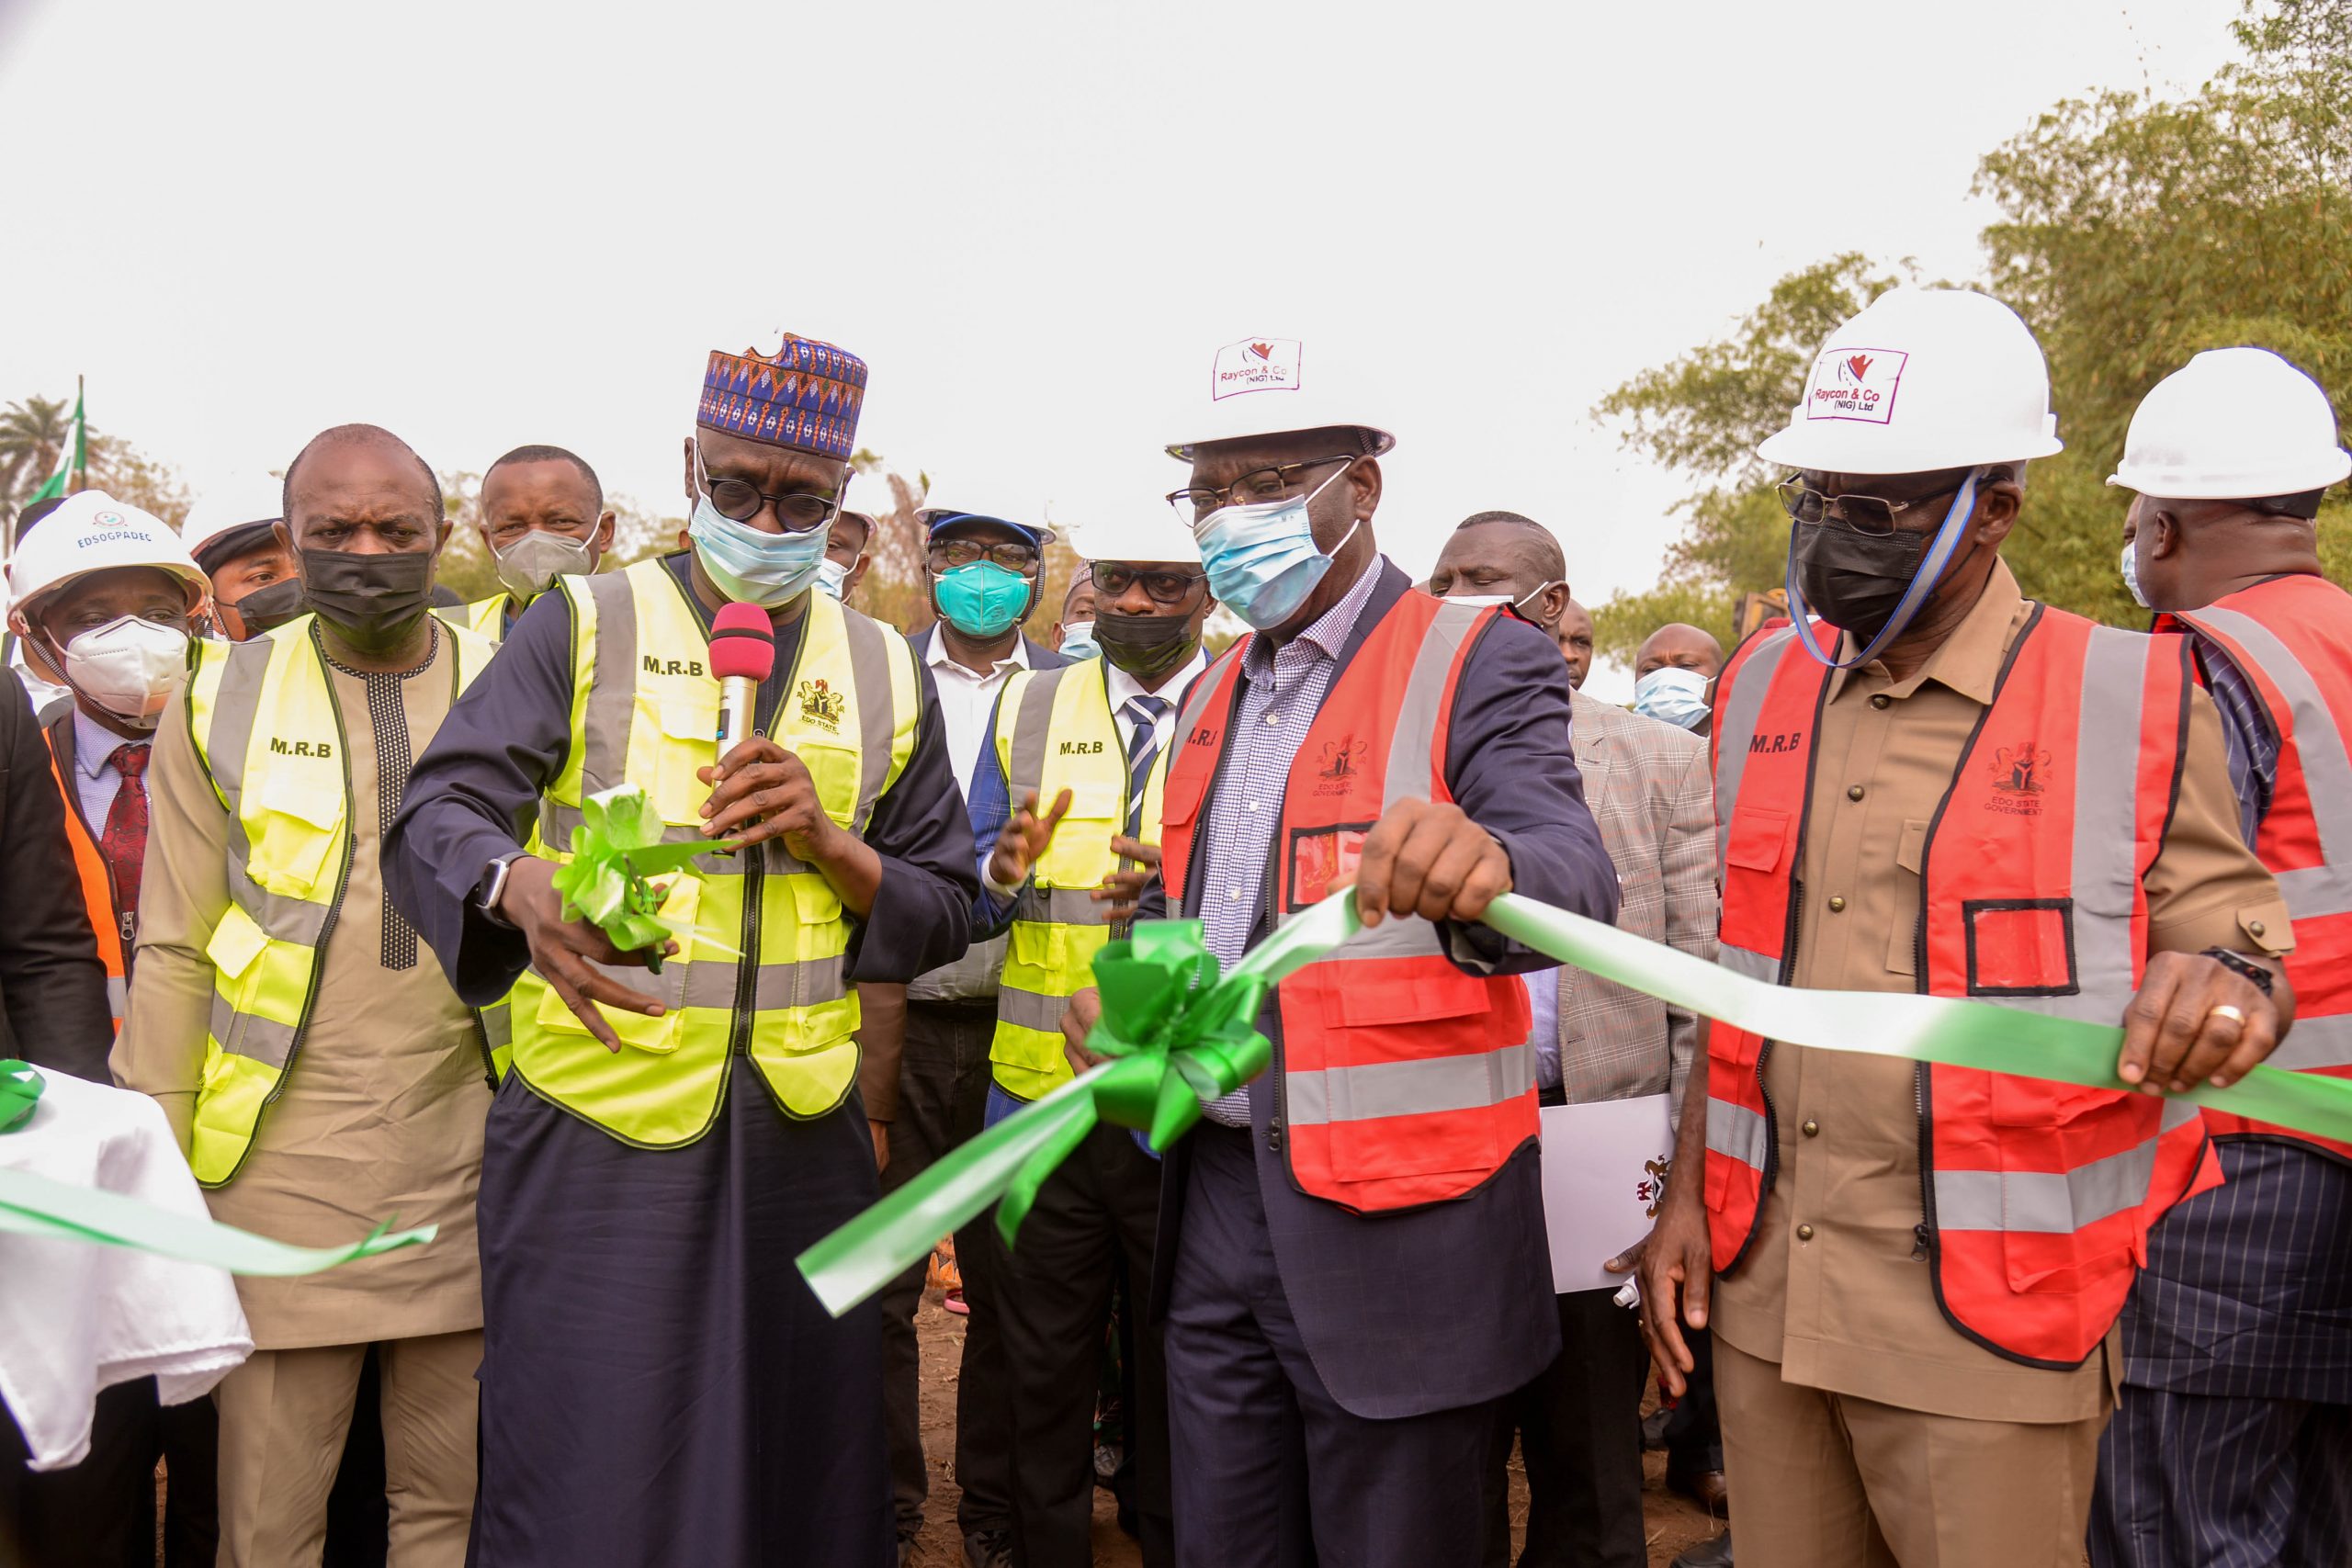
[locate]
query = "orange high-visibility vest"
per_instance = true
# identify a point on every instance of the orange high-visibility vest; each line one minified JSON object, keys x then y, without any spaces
{"x":2292,"y":638}
{"x":2036,"y":1197}
{"x":1398,"y":1080}
{"x":97,"y":894}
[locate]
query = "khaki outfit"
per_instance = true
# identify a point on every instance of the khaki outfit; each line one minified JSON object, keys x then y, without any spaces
{"x":380,"y":1115}
{"x":1849,"y":1394}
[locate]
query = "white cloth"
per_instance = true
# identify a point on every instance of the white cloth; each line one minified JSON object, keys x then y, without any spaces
{"x":42,"y":692}
{"x":78,"y":1316}
{"x":98,"y":781}
{"x":966,"y":697}
{"x":1120,"y":685}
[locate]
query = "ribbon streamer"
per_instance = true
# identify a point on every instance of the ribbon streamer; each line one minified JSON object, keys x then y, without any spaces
{"x":35,"y":1206}
{"x":615,"y":853}
{"x":1178,"y":1037}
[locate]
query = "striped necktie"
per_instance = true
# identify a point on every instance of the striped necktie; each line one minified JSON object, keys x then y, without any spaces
{"x":1143,"y":748}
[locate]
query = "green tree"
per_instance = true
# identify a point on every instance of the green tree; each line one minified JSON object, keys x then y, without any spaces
{"x":32,"y":432}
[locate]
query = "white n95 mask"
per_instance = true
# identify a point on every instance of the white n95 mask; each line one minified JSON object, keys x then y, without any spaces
{"x":128,"y":667}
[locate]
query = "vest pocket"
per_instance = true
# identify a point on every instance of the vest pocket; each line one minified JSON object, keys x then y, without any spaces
{"x":235,"y":949}
{"x":1080,"y":855}
{"x":2074,"y":1180}
{"x":834,"y":769}
{"x":1757,"y":838}
{"x":659,"y":1035}
{"x":1443,"y":1101}
{"x":686,"y":723}
{"x":288,"y":838}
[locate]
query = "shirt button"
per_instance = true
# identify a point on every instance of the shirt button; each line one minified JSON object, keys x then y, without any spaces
{"x":1233,"y":894}
{"x":1272,"y":718}
{"x":1813,"y":1129}
{"x":1853,"y":792}
{"x":1805,"y":1232}
{"x":1838,"y":906}
{"x":1254,"y":804}
{"x":1881,"y":701}
{"x":2253,"y":928}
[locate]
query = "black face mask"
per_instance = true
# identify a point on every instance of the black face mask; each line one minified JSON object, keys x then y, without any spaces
{"x":374,"y":601}
{"x":1146,"y":646}
{"x":271,"y":606}
{"x":1855,"y":581}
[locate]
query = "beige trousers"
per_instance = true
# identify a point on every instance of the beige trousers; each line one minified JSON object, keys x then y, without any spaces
{"x":1827,"y":1481}
{"x":283,"y":1417}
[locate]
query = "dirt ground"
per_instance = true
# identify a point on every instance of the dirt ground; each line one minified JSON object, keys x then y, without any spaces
{"x":1675,"y":1525}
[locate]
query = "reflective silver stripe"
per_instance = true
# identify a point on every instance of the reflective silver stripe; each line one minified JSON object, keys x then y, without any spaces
{"x":1755,"y":965}
{"x":498,"y":1024}
{"x":1736,"y":1133}
{"x":2106,"y":814}
{"x":1412,"y":764}
{"x":878,"y":712}
{"x":711,"y":983}
{"x":2315,"y":1043}
{"x":1408,"y":936}
{"x":1030,"y":733}
{"x":2048,"y":1202}
{"x":265,"y":1040}
{"x":1409,"y":1089}
{"x":281,"y":917}
{"x":1060,"y":906}
{"x":118,"y":997}
{"x":1031,"y":1009}
{"x":612,"y":693}
{"x":2324,"y":889}
{"x":1742,"y":709}
{"x":235,"y":707}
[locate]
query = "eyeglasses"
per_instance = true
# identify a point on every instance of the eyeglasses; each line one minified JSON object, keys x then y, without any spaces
{"x":948,"y":554}
{"x":1252,"y":489}
{"x":1862,"y":513}
{"x":1113,"y":580}
{"x":739,"y":501}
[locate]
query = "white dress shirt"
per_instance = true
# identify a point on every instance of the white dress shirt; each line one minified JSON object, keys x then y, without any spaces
{"x":966,"y":697}
{"x":1120,"y":686}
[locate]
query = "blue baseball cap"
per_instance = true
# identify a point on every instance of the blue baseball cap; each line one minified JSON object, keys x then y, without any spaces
{"x":937,"y":520}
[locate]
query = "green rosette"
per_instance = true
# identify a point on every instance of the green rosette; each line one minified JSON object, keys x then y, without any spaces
{"x":20,"y":1087}
{"x":617,"y":852}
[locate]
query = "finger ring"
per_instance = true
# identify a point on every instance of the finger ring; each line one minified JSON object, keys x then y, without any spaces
{"x":2227,"y":1010}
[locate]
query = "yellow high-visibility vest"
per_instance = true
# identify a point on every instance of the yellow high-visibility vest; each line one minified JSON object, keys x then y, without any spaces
{"x":1055,"y":731}
{"x":483,"y":617}
{"x":270,"y":734}
{"x":761,"y":965}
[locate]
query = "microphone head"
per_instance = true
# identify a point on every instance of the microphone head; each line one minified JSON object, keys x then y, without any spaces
{"x":743,"y":643}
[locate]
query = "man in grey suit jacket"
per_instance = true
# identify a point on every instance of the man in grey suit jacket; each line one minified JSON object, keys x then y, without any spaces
{"x":1648,"y":787}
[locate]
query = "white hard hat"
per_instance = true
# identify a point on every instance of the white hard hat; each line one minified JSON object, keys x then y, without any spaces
{"x":94,"y":532}
{"x":1273,"y":386}
{"x":230,"y":509}
{"x":1142,"y":534}
{"x":2233,"y":424}
{"x":1922,"y":380}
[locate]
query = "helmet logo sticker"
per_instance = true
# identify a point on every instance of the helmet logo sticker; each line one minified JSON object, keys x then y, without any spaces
{"x":1855,"y":384}
{"x":1258,"y":364}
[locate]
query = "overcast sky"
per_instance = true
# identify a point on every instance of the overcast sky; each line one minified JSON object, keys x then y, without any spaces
{"x":483,"y":224}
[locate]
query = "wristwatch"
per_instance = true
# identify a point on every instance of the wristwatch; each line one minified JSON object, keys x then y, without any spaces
{"x":2238,"y":962}
{"x":493,"y":882}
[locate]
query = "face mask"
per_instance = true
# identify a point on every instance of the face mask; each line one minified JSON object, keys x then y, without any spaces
{"x":2131,"y":574}
{"x":1673,"y":695}
{"x":1262,"y":558}
{"x":128,"y":667}
{"x":1482,"y":600}
{"x":1077,"y":642}
{"x":373,"y":601}
{"x":832,"y":579}
{"x":1869,"y":585}
{"x":752,"y":568}
{"x":272,"y":606}
{"x":1146,"y":646}
{"x":530,"y":565}
{"x":981,"y":598}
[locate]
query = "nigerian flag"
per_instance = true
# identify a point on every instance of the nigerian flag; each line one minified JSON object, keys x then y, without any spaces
{"x":73,"y":457}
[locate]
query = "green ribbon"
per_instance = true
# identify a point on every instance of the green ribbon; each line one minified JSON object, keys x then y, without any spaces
{"x":20,"y":1087}
{"x":36,"y":1205}
{"x":1178,"y":1037}
{"x":615,"y":853}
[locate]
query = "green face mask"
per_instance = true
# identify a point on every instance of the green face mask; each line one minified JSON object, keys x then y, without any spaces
{"x":982,"y":599}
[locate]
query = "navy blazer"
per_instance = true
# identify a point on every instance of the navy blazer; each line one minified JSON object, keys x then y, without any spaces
{"x":1451,"y":1304}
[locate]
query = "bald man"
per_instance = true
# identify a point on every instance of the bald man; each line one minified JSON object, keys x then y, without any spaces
{"x":1672,"y":671}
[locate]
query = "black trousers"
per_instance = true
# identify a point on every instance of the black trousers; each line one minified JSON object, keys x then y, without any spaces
{"x":101,"y":1513}
{"x":1579,"y":1427}
{"x":943,"y":1095}
{"x":1093,"y":1223}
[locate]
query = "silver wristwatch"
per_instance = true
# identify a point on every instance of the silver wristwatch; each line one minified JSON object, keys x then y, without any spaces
{"x":493,"y":882}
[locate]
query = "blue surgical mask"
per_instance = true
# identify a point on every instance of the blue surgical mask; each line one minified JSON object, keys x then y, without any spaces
{"x":750,"y":567}
{"x":2131,"y":574}
{"x":1077,"y":642}
{"x":1672,"y":695}
{"x":832,"y":578}
{"x":1262,"y":558}
{"x":982,"y":599}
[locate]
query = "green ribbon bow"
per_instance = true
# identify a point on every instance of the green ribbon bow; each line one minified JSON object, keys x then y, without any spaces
{"x":20,"y":1087}
{"x":1179,"y":1037}
{"x":1176,"y":1036}
{"x":615,"y":853}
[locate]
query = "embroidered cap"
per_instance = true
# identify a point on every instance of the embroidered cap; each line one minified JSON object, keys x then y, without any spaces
{"x":807,"y":395}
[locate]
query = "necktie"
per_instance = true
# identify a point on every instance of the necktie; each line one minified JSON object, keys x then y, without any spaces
{"x":124,"y":841}
{"x":1143,"y":747}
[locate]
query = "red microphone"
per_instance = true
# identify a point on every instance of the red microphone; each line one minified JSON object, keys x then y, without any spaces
{"x":742,"y":654}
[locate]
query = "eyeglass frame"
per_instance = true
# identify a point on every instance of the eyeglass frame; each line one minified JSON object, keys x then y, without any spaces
{"x":1222,"y":496}
{"x":1791,"y":502}
{"x":1034,"y":566}
{"x":1103,"y":589}
{"x":773,"y":504}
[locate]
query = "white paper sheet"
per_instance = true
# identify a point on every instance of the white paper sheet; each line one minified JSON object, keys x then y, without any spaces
{"x":1604,"y":1167}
